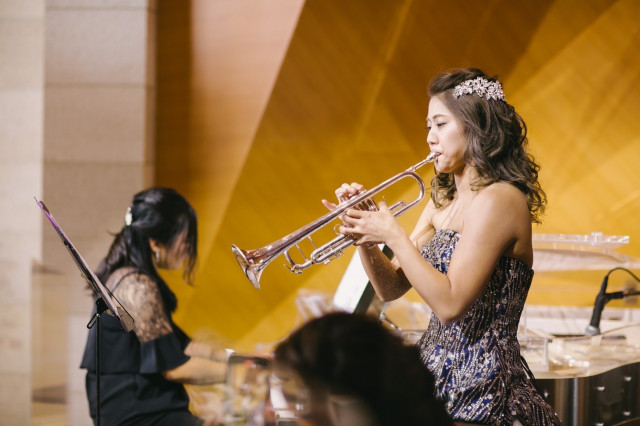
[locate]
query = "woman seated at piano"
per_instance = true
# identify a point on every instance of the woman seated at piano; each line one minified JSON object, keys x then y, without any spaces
{"x":142,"y":372}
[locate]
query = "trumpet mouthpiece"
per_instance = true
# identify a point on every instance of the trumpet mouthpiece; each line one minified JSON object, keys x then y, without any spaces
{"x":431,"y":157}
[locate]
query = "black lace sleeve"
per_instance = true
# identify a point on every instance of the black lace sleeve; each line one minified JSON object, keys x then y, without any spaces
{"x":141,"y":297}
{"x":162,"y":343}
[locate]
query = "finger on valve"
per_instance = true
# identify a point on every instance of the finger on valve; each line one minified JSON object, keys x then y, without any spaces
{"x":369,"y":204}
{"x":342,"y":197}
{"x":348,"y":191}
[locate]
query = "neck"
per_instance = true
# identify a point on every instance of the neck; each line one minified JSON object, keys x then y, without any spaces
{"x":463,"y":179}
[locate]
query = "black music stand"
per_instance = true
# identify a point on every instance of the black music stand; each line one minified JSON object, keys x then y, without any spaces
{"x":105,"y":301}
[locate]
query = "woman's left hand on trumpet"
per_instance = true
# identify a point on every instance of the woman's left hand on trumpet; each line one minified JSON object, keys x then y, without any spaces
{"x":366,"y":226}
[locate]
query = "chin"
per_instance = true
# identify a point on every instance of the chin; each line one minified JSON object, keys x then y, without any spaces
{"x":442,"y":169}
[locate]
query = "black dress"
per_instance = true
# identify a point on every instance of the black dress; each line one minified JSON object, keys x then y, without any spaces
{"x":132,"y":388}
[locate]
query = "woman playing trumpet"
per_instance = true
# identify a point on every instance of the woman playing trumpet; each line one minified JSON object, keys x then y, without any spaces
{"x":470,"y":254}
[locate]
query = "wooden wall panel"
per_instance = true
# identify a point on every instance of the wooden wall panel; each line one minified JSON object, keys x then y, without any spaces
{"x":345,"y":100}
{"x":581,"y":99}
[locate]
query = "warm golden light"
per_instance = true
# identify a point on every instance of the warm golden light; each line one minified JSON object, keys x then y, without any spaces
{"x":286,"y":104}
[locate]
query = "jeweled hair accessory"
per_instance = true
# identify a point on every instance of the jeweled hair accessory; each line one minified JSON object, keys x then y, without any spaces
{"x":128,"y":217}
{"x":482,"y":87}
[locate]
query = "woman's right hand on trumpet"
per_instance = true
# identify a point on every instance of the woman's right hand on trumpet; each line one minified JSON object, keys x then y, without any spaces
{"x":365,"y":225}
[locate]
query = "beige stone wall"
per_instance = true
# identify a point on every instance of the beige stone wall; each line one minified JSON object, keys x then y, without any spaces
{"x":99,"y":76}
{"x":21,"y":150}
{"x":76,"y":130}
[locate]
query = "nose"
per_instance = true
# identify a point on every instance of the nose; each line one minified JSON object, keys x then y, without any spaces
{"x":431,"y":139}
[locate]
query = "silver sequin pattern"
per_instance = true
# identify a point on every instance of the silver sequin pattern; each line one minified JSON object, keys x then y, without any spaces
{"x":476,"y":361}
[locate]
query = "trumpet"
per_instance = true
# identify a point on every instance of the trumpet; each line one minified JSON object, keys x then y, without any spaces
{"x":253,"y":262}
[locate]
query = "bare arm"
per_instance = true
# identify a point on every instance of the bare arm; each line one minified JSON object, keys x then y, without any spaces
{"x":205,"y":350}
{"x":387,"y":277}
{"x":496,"y":222}
{"x":207,"y":365}
{"x":197,"y":371}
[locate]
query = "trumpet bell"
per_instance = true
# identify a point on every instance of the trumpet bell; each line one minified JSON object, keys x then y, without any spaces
{"x":246,"y":262}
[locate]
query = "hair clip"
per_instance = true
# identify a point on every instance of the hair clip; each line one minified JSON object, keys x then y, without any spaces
{"x":482,"y":87}
{"x":128,"y":217}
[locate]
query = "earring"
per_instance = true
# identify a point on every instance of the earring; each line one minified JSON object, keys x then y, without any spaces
{"x":157,"y":255}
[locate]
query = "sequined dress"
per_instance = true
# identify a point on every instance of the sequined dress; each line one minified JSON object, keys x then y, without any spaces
{"x":476,"y":361}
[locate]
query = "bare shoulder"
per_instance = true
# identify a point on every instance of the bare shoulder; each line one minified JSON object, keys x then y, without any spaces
{"x":501,"y":197}
{"x":500,"y":212}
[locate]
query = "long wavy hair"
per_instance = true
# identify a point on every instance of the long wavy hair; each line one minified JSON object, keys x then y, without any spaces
{"x":496,"y":143}
{"x":160,"y":214}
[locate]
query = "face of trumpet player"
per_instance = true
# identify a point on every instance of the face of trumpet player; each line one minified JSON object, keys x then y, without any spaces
{"x":446,"y":138}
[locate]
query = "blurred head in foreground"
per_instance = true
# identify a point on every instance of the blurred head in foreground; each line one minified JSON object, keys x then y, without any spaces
{"x":348,"y":369}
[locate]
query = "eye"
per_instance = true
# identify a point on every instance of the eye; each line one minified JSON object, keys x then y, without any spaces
{"x":441,"y":124}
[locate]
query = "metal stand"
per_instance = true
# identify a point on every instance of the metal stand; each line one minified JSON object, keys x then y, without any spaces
{"x":101,"y":307}
{"x":104,"y":300}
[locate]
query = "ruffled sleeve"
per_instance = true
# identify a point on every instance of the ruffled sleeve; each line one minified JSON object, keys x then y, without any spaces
{"x":162,"y":343}
{"x":155,"y":345}
{"x":160,"y":354}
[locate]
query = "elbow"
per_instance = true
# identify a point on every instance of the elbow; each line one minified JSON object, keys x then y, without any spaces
{"x":384,"y":298}
{"x":389,"y":297}
{"x":172,"y":375}
{"x":389,"y":293}
{"x":450,"y":316}
{"x":180,"y":374}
